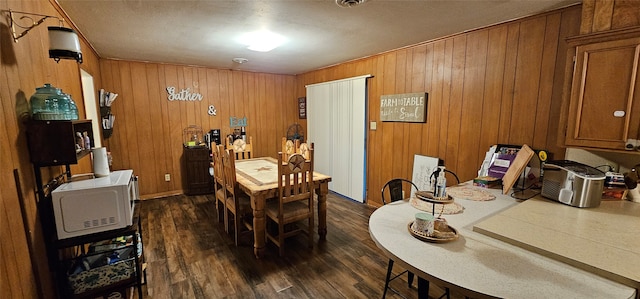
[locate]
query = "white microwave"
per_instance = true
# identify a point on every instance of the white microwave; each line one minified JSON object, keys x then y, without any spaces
{"x":95,"y":205}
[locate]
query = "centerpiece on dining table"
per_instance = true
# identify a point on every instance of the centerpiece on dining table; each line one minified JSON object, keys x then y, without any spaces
{"x":429,"y":227}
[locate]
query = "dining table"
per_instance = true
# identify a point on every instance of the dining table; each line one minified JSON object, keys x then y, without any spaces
{"x":258,"y":178}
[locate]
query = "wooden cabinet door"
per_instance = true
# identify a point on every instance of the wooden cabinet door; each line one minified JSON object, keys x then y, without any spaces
{"x":604,"y":109}
{"x":196,"y":176}
{"x":53,"y":142}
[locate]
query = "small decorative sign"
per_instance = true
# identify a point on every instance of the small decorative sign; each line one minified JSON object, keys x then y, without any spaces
{"x":183,"y":95}
{"x":237,"y":122}
{"x":212,"y":110}
{"x":407,"y":107}
{"x":302,"y":108}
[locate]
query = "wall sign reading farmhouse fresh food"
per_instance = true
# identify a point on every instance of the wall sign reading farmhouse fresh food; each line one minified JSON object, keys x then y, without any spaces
{"x":407,"y":107}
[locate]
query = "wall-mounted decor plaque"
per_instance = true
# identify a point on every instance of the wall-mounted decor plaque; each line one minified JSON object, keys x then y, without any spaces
{"x":302,"y":108}
{"x":406,"y":107}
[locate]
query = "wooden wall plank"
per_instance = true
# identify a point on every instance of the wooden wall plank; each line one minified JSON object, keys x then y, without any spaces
{"x":375,"y":174}
{"x":492,"y":98}
{"x":527,"y":81}
{"x":445,"y":103}
{"x":436,"y":97}
{"x":176,"y":126}
{"x":472,"y":102}
{"x":547,"y":70}
{"x":416,"y":131}
{"x":588,"y":13}
{"x":602,"y":15}
{"x":509,"y":81}
{"x":454,"y":117}
{"x":424,"y":54}
{"x":165,"y":166}
{"x":155,"y":100}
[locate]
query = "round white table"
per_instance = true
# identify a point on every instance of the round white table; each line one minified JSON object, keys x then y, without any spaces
{"x":479,"y":266}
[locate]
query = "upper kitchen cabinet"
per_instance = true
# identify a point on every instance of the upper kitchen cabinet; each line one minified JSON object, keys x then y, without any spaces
{"x":603,"y":96}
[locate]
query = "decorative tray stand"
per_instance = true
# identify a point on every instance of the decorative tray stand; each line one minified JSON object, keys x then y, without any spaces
{"x":423,"y":237}
{"x":448,"y":234}
{"x":428,"y":197}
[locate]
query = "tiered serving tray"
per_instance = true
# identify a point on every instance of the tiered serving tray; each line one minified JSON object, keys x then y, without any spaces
{"x":428,"y":197}
{"x":423,"y":237}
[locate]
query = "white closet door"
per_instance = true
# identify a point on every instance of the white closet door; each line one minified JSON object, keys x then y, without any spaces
{"x":336,"y":123}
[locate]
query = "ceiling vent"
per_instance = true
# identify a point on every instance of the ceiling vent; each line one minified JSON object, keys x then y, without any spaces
{"x":349,"y":3}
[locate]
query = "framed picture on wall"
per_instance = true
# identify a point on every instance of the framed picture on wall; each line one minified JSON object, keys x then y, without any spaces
{"x":302,"y":108}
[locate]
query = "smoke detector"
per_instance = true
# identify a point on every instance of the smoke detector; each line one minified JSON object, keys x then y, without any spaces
{"x":349,"y":3}
{"x":240,"y":60}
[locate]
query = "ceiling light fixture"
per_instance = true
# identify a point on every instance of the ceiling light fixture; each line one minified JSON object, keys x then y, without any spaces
{"x":63,"y":42}
{"x":349,"y":3}
{"x":262,"y":41}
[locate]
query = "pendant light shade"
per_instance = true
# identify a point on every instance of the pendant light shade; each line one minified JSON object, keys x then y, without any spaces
{"x":64,"y":44}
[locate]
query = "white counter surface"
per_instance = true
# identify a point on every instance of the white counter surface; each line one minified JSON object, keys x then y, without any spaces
{"x":480,"y":266}
{"x":603,"y":240}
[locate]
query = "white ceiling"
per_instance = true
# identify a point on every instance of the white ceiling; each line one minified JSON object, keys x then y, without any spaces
{"x":320,"y":33}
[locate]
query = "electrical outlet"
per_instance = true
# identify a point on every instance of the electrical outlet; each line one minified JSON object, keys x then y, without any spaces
{"x":167,"y":177}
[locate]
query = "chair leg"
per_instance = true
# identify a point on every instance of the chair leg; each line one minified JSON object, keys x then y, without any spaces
{"x":423,"y":288}
{"x":410,"y":278}
{"x":386,"y":281}
{"x":446,"y":294}
{"x":311,"y":232}
{"x":281,"y":238}
{"x":220,"y":208}
{"x":226,"y":219}
{"x":236,"y":227}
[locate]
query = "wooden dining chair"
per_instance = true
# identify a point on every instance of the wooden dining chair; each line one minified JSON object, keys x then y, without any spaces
{"x":303,"y":149}
{"x":237,"y":203}
{"x":289,"y":147}
{"x":242,"y":149}
{"x":295,"y":200}
{"x":218,"y":180}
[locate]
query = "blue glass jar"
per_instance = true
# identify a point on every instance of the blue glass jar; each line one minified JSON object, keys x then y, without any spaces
{"x":50,"y":103}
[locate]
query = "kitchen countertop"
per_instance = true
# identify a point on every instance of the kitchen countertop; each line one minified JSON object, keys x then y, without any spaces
{"x":603,"y":240}
{"x":479,"y":266}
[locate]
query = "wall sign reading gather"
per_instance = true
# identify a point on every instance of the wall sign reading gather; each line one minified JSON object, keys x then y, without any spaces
{"x":407,"y":107}
{"x":183,"y":95}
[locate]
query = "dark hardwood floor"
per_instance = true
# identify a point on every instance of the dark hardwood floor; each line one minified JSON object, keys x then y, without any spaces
{"x":189,"y":255}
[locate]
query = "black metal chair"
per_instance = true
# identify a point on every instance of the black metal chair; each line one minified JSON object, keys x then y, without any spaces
{"x":395,"y":187}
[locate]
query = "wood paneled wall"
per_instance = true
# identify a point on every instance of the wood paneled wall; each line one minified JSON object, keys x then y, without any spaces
{"x":501,"y":84}
{"x":148,"y":131}
{"x":604,"y":15}
{"x":24,"y":66}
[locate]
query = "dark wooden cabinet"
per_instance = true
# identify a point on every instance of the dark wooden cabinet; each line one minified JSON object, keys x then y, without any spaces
{"x":53,"y":142}
{"x":196,"y":178}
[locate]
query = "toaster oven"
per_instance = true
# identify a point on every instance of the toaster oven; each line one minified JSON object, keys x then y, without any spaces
{"x":573,"y":183}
